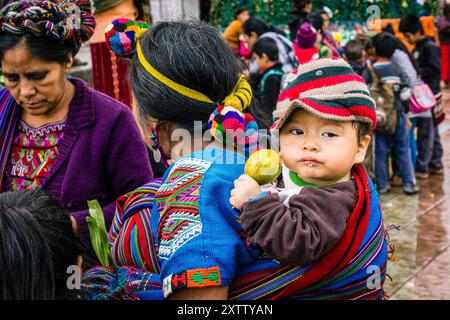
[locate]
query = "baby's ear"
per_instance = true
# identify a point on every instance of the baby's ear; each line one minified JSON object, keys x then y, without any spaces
{"x":362,"y":149}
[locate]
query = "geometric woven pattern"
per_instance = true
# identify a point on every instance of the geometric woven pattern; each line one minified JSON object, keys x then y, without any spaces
{"x":196,"y":278}
{"x":178,"y":201}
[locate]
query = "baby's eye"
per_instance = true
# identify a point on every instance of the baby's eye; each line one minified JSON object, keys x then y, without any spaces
{"x":329,"y":134}
{"x":297,"y":132}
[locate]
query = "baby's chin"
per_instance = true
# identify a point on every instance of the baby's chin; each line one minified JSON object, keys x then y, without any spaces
{"x":318,"y":177}
{"x":311,"y":177}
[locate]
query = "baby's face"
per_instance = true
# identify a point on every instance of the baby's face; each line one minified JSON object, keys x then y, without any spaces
{"x":320,"y":151}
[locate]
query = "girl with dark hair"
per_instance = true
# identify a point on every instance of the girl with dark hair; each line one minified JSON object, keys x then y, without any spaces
{"x":234,"y":30}
{"x":444,"y":37}
{"x":56,"y":134}
{"x":255,"y":29}
{"x":59,"y":245}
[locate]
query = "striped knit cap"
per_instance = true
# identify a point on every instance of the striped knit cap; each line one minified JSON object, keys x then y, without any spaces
{"x":328,"y":88}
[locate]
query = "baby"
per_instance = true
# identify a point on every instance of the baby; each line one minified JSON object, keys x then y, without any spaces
{"x":327,"y":114}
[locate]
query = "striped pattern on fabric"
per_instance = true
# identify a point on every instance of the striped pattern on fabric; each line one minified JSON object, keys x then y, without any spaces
{"x":9,"y":116}
{"x":328,"y":88}
{"x":130,"y":236}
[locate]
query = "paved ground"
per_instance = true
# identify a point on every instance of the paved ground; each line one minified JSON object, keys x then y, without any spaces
{"x":423,"y":242}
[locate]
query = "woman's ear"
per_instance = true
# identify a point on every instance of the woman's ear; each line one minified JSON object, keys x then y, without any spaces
{"x":68,"y":65}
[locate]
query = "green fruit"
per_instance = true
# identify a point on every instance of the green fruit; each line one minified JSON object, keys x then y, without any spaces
{"x":264,"y":166}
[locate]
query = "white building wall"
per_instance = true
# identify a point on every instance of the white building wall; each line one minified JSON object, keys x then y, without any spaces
{"x":174,"y":9}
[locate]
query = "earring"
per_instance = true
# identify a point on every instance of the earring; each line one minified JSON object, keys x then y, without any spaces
{"x":155,"y":143}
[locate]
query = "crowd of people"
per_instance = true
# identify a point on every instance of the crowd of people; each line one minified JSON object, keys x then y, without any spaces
{"x":411,"y":149}
{"x":184,"y":219}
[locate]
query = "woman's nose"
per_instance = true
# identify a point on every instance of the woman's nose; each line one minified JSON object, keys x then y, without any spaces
{"x":27,"y":90}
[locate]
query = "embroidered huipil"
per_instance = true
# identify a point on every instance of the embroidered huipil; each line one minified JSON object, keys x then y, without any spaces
{"x":33,"y":153}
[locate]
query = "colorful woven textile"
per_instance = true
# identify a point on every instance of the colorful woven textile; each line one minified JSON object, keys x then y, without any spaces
{"x":33,"y":153}
{"x":125,"y":283}
{"x":130,"y":235}
{"x":9,"y":115}
{"x":109,"y":73}
{"x":200,"y":243}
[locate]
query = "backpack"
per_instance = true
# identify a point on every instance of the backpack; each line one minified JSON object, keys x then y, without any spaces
{"x":267,"y":75}
{"x":384,"y":95}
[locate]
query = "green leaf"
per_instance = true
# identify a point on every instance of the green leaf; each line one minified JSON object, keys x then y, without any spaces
{"x":98,"y":233}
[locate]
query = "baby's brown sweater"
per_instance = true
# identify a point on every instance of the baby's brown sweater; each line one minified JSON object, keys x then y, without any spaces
{"x":307,"y":230}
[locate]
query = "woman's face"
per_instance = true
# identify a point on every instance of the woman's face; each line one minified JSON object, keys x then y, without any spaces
{"x":326,"y":21}
{"x":250,"y":40}
{"x":243,"y":16}
{"x":38,"y":86}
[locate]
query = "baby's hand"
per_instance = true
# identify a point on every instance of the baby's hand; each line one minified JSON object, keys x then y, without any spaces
{"x":244,"y":188}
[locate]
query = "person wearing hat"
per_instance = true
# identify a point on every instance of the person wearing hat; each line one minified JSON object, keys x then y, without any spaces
{"x":325,"y":117}
{"x":305,"y":44}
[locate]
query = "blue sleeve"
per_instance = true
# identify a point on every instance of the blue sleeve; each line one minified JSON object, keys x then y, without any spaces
{"x":201,"y":243}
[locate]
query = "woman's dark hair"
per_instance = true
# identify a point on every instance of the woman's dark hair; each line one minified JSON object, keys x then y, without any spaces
{"x":25,"y":258}
{"x":47,"y":33}
{"x":55,"y":226}
{"x":267,"y":46}
{"x":316,"y":20}
{"x":299,"y":5}
{"x":446,"y":10}
{"x":410,"y":23}
{"x":39,"y":47}
{"x":239,"y":11}
{"x":259,"y":27}
{"x":192,"y":54}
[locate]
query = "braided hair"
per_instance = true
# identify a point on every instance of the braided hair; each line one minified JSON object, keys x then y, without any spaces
{"x":51,"y":30}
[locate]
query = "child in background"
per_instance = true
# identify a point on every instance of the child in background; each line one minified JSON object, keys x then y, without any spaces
{"x":267,"y":89}
{"x":234,"y":30}
{"x":385,"y":45}
{"x":305,"y":47}
{"x":324,"y":135}
{"x":428,"y":57}
{"x":355,"y":56}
